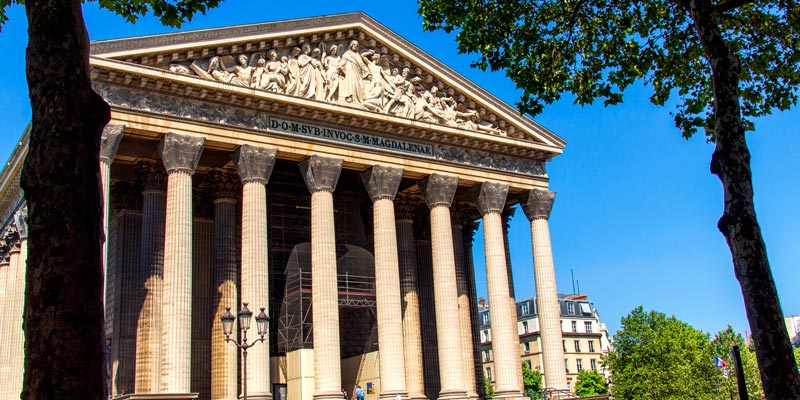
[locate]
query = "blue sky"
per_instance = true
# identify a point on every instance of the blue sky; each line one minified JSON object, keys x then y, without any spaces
{"x":636,"y":211}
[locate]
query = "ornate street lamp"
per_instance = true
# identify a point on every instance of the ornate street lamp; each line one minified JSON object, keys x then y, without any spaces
{"x":262,"y":321}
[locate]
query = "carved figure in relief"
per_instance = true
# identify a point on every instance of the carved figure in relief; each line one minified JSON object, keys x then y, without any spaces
{"x":377,"y":73}
{"x":400,"y":104}
{"x":218,"y":71}
{"x":243,"y":71}
{"x":374,"y":99}
{"x":273,"y":73}
{"x":293,"y":79}
{"x":311,"y":79}
{"x":427,"y":106}
{"x":354,"y":70}
{"x":180,"y":69}
{"x":330,"y":62}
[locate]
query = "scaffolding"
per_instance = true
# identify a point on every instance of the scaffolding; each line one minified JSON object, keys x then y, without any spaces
{"x":295,"y":322}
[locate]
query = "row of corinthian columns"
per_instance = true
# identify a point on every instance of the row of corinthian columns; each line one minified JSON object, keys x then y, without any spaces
{"x":163,"y":349}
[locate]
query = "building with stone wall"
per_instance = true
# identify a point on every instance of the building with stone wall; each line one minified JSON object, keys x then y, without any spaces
{"x":324,"y":169}
{"x":793,"y":326}
{"x":584,"y":337}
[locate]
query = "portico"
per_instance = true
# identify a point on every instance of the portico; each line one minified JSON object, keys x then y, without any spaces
{"x":238,"y":170}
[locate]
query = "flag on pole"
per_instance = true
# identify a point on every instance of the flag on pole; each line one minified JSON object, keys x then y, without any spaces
{"x":718,"y":362}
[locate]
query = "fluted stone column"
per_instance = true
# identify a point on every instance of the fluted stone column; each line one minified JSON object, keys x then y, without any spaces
{"x":16,"y":339}
{"x":439,"y":191}
{"x":382,"y":183}
{"x":537,"y":205}
{"x":321,"y":175}
{"x":468,"y":233}
{"x":225,"y":286}
{"x":150,"y":278}
{"x":180,"y":155}
{"x":464,"y":313}
{"x":204,"y":241}
{"x":409,"y":290}
{"x":125,"y":240}
{"x":506,"y":215}
{"x":5,"y":284}
{"x":255,"y":167}
{"x":109,"y":143}
{"x":491,"y":198}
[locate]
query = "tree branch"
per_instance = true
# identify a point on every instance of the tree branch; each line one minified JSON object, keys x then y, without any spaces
{"x":730,"y":5}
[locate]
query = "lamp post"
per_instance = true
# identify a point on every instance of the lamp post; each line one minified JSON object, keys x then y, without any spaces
{"x":262,"y":320}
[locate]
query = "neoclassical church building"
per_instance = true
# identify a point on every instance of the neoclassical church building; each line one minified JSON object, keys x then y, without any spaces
{"x":323,"y":169}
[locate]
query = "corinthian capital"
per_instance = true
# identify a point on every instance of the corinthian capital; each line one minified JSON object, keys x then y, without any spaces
{"x":254,"y":163}
{"x":439,"y":189}
{"x":321,"y":173}
{"x":490,"y":197}
{"x":21,"y":220}
{"x":180,"y":152}
{"x":109,"y":142}
{"x":537,"y":204}
{"x":382,"y":181}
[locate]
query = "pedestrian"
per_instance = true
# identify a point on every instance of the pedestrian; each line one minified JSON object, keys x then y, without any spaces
{"x":344,"y":394}
{"x":359,"y":393}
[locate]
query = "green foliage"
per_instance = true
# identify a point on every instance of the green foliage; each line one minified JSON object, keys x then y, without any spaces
{"x":590,"y":383}
{"x":531,"y":380}
{"x":660,"y":357}
{"x":722,"y":345}
{"x":797,"y":356}
{"x":595,"y":49}
{"x":488,"y":388}
{"x":170,"y":12}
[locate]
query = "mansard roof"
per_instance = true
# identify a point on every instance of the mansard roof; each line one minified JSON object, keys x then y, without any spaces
{"x":335,"y":68}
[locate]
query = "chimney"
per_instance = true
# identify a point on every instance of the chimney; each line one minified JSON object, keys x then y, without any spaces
{"x":481,"y":303}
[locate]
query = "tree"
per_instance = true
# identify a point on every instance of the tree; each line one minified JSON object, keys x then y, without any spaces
{"x":487,"y":384}
{"x":590,"y":383}
{"x":724,"y":60}
{"x":797,"y":357}
{"x":660,"y":357}
{"x":722,"y":345}
{"x":63,"y":318}
{"x":531,"y":380}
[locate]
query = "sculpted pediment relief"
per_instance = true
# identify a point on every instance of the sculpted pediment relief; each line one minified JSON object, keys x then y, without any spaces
{"x":352,"y":74}
{"x":348,"y":60}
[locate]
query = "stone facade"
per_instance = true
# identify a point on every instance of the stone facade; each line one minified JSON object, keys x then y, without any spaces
{"x":324,"y":169}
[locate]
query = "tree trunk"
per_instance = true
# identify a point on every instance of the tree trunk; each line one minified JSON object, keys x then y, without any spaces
{"x":61,"y":178}
{"x":731,"y":163}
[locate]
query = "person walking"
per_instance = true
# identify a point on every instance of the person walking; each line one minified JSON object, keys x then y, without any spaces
{"x":359,"y":393}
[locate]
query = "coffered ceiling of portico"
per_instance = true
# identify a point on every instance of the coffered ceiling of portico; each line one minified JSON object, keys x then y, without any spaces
{"x":342,"y":70}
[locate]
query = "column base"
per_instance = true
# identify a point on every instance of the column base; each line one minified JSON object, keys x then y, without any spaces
{"x":510,"y":395}
{"x":417,"y":397}
{"x":258,"y":396}
{"x":157,"y":396}
{"x":453,"y":395}
{"x":326,"y":396}
{"x":391,"y":395}
{"x":472,"y":395}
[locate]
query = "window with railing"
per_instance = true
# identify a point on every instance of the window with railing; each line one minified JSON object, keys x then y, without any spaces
{"x":574,"y":326}
{"x":577,"y":346}
{"x":527,"y":347}
{"x":579,"y":363}
{"x":570,"y":308}
{"x":594,"y":364}
{"x":525,"y":326}
{"x":588,"y":326}
{"x":591,"y":346}
{"x":524,"y":308}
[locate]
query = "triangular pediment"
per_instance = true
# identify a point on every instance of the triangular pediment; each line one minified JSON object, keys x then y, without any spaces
{"x":346,"y":60}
